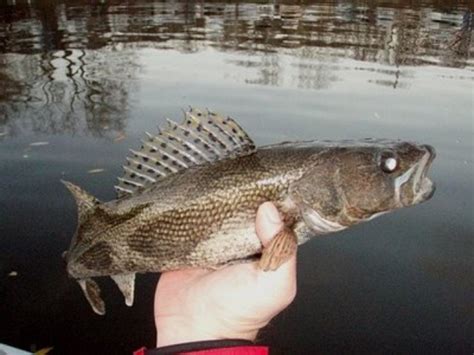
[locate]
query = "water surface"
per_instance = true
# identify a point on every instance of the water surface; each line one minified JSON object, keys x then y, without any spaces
{"x":80,"y":82}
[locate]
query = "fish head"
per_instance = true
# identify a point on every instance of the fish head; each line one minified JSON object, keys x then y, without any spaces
{"x":352,"y":183}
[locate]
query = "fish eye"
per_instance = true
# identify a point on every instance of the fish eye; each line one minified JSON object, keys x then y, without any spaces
{"x":388,"y":164}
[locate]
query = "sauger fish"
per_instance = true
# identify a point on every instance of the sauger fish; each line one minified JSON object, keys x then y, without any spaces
{"x":189,"y":198}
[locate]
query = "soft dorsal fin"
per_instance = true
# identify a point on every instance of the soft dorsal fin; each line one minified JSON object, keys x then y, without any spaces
{"x":86,"y":203}
{"x":202,"y":137}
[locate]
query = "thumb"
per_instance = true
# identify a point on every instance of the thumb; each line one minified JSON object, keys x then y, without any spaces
{"x":280,"y":284}
{"x":268,"y":222}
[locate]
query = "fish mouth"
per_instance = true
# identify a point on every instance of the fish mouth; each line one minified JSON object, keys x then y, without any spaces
{"x":423,"y":187}
{"x":414,"y":186}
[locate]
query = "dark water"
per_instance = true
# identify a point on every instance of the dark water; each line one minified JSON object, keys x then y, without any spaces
{"x":88,"y":78}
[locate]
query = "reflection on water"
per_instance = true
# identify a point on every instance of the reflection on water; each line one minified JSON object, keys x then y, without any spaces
{"x":80,"y":81}
{"x":367,"y":32}
{"x":67,"y":67}
{"x":67,"y":90}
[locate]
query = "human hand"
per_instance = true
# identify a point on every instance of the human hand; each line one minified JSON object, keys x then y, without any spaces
{"x":230,"y":303}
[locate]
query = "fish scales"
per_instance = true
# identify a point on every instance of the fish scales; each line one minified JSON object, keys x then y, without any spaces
{"x":193,"y":207}
{"x":199,"y":210}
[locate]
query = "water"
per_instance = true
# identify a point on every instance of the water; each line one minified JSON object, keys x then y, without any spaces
{"x":82,"y":81}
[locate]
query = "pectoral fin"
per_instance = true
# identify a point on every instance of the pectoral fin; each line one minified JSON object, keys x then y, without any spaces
{"x":92,"y":293}
{"x":280,"y":249}
{"x":126,"y":284}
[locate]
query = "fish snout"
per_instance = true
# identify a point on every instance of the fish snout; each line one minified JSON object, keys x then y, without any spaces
{"x":424,"y":187}
{"x":430,"y":149}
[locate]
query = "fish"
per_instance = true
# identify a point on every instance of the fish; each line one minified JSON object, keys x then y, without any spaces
{"x":189,"y":196}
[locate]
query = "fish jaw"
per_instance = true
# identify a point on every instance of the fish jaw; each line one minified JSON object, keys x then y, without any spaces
{"x":414,"y":184}
{"x":426,"y":187}
{"x":426,"y":190}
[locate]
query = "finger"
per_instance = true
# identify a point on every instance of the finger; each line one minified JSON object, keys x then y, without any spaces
{"x":282,"y":281}
{"x":268,"y":222}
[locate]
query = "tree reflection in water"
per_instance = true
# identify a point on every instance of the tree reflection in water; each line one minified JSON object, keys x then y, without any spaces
{"x":67,"y":91}
{"x":72,"y":67}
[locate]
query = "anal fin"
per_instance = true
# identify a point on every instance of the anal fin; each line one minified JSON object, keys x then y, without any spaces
{"x":126,"y":284}
{"x":92,"y":292}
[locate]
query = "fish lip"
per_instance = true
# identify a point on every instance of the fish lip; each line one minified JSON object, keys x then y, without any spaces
{"x":430,"y":150}
{"x":424,"y":188}
{"x":425,"y":191}
{"x":432,"y":155}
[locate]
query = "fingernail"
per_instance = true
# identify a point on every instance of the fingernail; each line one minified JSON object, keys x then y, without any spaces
{"x":271,"y":213}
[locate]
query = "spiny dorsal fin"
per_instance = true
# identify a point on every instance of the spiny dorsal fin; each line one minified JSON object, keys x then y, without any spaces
{"x":86,"y":203}
{"x":202,"y":137}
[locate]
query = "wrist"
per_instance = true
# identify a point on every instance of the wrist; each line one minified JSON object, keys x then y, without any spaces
{"x":177,"y":331}
{"x":210,"y":347}
{"x":174,"y":330}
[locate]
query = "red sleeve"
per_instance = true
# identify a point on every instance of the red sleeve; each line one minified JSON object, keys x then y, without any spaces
{"x":237,"y":350}
{"x":215,"y":347}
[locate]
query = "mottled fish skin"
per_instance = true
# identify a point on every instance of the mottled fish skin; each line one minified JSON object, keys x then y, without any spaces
{"x":200,"y":217}
{"x":203,"y":214}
